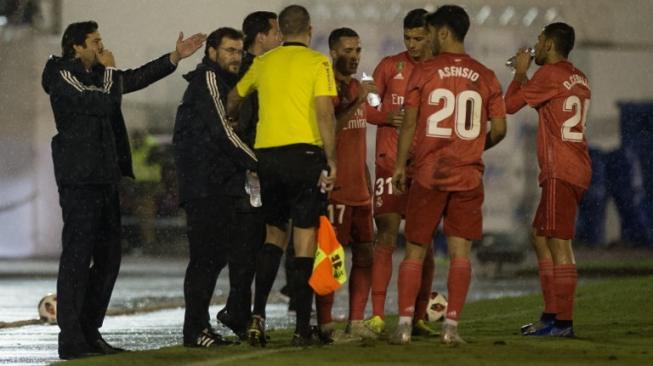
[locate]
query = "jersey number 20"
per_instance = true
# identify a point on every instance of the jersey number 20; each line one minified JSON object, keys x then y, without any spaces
{"x":580,"y":108}
{"x":467,"y":108}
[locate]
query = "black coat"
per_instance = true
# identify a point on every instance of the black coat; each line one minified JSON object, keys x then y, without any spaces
{"x":92,"y":146}
{"x":211,"y":159}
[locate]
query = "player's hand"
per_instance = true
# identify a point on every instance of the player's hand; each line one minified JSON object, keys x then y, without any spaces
{"x":187,"y":47}
{"x":105,"y":57}
{"x":368,"y":86}
{"x":328,"y":178}
{"x":399,"y":180}
{"x":523,"y":61}
{"x":396,"y":118}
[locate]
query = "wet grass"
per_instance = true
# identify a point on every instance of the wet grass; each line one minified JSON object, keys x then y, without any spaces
{"x":613,"y":322}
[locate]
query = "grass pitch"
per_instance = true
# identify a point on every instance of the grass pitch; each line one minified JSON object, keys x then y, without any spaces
{"x":613,"y":323}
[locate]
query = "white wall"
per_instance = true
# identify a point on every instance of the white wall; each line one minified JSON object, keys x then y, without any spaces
{"x":613,"y":47}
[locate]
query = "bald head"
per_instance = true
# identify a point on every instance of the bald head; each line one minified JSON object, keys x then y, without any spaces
{"x":294,"y":20}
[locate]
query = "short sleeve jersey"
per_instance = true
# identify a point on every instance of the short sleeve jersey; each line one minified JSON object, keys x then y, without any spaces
{"x":391,"y":78}
{"x":288,"y":79}
{"x":351,"y":187}
{"x":456,"y":96}
{"x":561,"y":94}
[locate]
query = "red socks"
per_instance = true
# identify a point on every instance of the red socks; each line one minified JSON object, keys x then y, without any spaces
{"x":424,"y":294}
{"x":381,"y":274}
{"x":548,"y":285}
{"x":410,"y":278}
{"x":360,"y":281}
{"x":460,"y":274}
{"x":565,"y":278}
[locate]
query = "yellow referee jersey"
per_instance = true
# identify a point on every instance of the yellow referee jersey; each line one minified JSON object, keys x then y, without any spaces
{"x":287,"y":79}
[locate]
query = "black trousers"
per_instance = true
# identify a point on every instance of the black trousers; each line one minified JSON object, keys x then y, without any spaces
{"x":219,"y":232}
{"x":91,"y":234}
{"x":247,"y":237}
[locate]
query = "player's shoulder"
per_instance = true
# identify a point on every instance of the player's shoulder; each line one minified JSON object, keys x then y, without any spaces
{"x":392,"y":60}
{"x":482,"y":69}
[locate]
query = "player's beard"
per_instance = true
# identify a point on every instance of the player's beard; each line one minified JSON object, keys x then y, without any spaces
{"x":346,"y":66}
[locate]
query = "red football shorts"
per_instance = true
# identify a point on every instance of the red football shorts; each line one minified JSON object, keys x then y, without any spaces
{"x":353,"y":224}
{"x":386,"y":200}
{"x":556,"y":214}
{"x":461,"y":211}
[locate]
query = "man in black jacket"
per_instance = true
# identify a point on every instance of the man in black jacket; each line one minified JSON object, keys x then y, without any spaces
{"x":91,"y":154}
{"x":212,"y":166}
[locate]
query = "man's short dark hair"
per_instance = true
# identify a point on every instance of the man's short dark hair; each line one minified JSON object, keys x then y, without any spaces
{"x":453,"y":17}
{"x":294,"y":20}
{"x":415,"y":19}
{"x":255,"y":23}
{"x":563,"y":36}
{"x":75,"y":34}
{"x":338,"y":33}
{"x":215,"y":38}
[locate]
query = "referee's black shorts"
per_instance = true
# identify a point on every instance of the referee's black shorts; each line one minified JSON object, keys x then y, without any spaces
{"x":289,"y":184}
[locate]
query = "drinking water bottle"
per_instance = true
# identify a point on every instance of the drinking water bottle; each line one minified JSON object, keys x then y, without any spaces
{"x":511,"y":61}
{"x":253,"y":188}
{"x":373,"y":99}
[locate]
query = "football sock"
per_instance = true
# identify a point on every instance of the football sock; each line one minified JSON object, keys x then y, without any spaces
{"x":548,"y":286}
{"x":303,"y":295}
{"x":547,"y":317}
{"x":565,"y":278}
{"x":267,"y":265}
{"x":460,"y":274}
{"x":324,"y":304}
{"x":410,"y":277}
{"x":424,"y":294}
{"x":360,"y":281}
{"x":381,"y":274}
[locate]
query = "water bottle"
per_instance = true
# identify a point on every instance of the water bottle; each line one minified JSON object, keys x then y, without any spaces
{"x":373,"y":99}
{"x":253,"y":189}
{"x":511,"y":61}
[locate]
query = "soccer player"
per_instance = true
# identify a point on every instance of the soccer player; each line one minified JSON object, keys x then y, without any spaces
{"x":350,"y":204}
{"x":561,"y":95}
{"x":391,"y":77}
{"x":449,"y":100}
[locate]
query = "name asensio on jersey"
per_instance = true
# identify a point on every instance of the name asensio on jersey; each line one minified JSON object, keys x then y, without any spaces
{"x":458,"y":71}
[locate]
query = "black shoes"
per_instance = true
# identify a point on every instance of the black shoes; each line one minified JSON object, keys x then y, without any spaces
{"x":207,"y":339}
{"x":71,"y":353}
{"x":89,"y":349}
{"x":228,"y":321}
{"x":102,"y":347}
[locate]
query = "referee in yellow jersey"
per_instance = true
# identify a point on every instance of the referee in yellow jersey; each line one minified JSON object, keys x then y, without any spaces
{"x":295,"y":142}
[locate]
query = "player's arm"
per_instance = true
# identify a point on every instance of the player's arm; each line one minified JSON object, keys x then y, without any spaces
{"x":380,"y":116}
{"x":496,"y":111}
{"x":514,"y":99}
{"x":325,"y":123}
{"x":245,"y":86}
{"x":498,"y":128}
{"x":406,"y":135}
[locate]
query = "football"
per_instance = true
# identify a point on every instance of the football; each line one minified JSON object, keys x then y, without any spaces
{"x":48,"y":309}
{"x":437,"y":307}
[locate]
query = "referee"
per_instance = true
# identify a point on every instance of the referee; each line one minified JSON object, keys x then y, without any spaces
{"x":295,"y":142}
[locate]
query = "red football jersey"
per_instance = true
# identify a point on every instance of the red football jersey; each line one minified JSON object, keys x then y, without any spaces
{"x":456,"y":96}
{"x":391,"y":78}
{"x":351,"y":186}
{"x":561,"y":94}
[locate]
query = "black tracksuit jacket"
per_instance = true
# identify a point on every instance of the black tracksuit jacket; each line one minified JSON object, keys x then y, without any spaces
{"x":92,"y":146}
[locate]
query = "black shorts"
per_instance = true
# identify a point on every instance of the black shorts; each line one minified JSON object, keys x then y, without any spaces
{"x":289,"y":176}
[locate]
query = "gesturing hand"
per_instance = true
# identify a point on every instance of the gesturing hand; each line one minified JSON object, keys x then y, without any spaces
{"x":187,"y":47}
